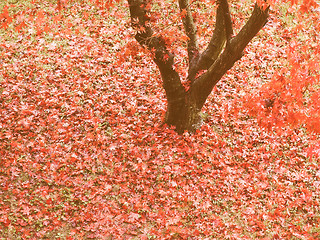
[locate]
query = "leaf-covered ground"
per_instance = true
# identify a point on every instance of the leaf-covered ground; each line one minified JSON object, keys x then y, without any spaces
{"x":84,"y":153}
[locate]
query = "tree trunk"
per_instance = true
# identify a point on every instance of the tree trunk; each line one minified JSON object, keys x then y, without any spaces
{"x":183,"y":113}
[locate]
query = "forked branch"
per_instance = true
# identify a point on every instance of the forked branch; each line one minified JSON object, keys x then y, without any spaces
{"x":204,"y":84}
{"x":221,"y":35}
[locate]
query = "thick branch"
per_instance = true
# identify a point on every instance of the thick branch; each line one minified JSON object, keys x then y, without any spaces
{"x":162,"y":57}
{"x":203,"y":85}
{"x":221,"y":34}
{"x":189,"y":27}
{"x":227,"y":19}
{"x":256,"y":21}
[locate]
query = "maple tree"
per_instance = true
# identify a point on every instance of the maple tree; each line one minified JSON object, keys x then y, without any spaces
{"x":84,"y":154}
{"x":223,"y":50}
{"x":206,"y":68}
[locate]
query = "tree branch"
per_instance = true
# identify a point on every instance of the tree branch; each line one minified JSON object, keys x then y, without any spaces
{"x":190,"y":28}
{"x":221,"y":34}
{"x":257,"y":20}
{"x":203,"y":85}
{"x":162,"y":57}
{"x":227,"y":19}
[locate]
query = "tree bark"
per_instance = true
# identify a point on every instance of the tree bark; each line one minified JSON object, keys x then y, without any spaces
{"x":184,"y":114}
{"x":184,"y":106}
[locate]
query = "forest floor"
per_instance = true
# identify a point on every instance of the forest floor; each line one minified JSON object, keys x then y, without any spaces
{"x":84,"y":153}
